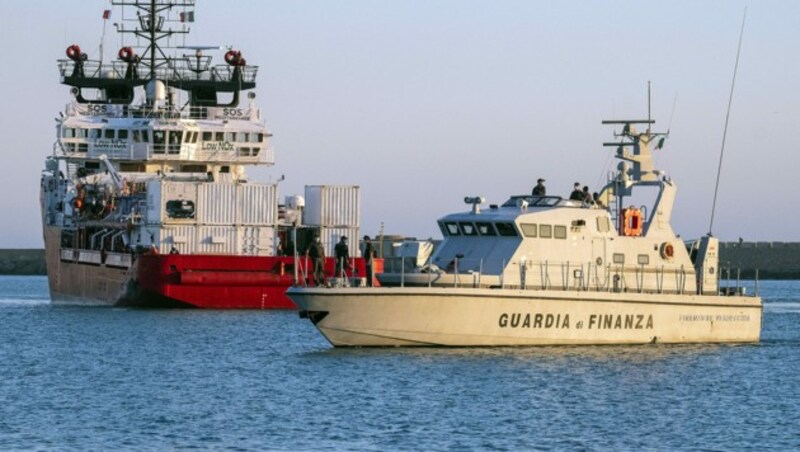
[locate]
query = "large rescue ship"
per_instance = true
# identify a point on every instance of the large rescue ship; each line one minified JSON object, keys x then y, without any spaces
{"x":145,"y":200}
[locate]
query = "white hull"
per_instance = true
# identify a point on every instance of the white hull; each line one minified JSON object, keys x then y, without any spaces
{"x":497,"y":317}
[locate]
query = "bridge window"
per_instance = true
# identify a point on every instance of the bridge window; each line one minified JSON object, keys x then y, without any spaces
{"x":175,"y":141}
{"x":506,"y":229}
{"x":485,"y":229}
{"x":242,"y":137}
{"x":255,"y":137}
{"x":122,"y":134}
{"x":603,"y":225}
{"x":94,"y":134}
{"x":260,"y":137}
{"x":545,"y":231}
{"x":219,"y":136}
{"x":468,"y":228}
{"x":207,"y":136}
{"x":108,"y":134}
{"x":560,"y":232}
{"x":229,"y":136}
{"x":159,"y":139}
{"x":528,"y":229}
{"x":452,"y":228}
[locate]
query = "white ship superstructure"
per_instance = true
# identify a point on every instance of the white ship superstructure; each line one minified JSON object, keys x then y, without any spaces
{"x":545,"y":270}
{"x":150,"y":159}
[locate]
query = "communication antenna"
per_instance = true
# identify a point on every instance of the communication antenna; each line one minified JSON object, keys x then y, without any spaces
{"x":727,"y":117}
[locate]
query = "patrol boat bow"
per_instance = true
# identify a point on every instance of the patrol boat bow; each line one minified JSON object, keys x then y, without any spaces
{"x":545,"y":270}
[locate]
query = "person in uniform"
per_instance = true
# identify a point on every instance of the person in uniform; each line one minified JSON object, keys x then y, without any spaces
{"x":317,"y":254}
{"x":342,"y":253}
{"x":369,"y":255}
{"x":539,"y":189}
{"x":577,"y":193}
{"x":587,"y":195}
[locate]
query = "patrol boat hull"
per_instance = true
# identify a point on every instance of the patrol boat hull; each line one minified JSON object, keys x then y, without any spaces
{"x":385,"y":317}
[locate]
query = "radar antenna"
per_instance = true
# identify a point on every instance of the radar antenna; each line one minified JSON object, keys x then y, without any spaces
{"x":727,"y":117}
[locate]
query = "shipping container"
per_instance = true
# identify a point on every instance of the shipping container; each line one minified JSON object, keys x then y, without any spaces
{"x":216,"y":204}
{"x":217,"y":240}
{"x":171,"y":202}
{"x":258,"y":204}
{"x":256,"y":240}
{"x":333,"y":205}
{"x":183,"y":238}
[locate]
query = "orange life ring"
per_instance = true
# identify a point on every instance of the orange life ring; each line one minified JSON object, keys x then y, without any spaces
{"x":667,"y":251}
{"x":126,"y":54}
{"x":77,"y":203}
{"x":632,"y":222}
{"x":74,"y":52}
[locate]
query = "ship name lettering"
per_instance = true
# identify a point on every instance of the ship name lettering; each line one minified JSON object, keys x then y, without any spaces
{"x":217,"y":146}
{"x":620,"y":322}
{"x":540,"y":321}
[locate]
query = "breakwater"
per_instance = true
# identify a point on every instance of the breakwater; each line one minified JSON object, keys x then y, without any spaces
{"x":22,"y":262}
{"x":773,"y":260}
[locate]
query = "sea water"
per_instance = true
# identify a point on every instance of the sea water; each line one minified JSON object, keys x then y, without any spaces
{"x":107,"y":378}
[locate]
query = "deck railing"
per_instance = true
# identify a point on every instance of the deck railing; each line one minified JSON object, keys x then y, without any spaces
{"x":566,"y":276}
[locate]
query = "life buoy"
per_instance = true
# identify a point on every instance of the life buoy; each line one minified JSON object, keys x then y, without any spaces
{"x":74,"y":52}
{"x":632,"y":224}
{"x":77,"y":203}
{"x":126,"y":54}
{"x":667,"y":251}
{"x":230,"y":57}
{"x":234,"y":58}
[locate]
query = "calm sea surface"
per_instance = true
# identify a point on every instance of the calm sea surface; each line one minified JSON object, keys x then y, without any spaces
{"x":94,"y":378}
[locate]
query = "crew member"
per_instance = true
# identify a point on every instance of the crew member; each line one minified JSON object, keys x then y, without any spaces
{"x":317,"y":254}
{"x":342,"y":253}
{"x":577,"y":193}
{"x":587,"y":195}
{"x":539,"y":189}
{"x":369,"y":255}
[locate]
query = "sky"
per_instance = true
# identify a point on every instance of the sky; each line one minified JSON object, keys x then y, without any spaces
{"x":424,"y":102}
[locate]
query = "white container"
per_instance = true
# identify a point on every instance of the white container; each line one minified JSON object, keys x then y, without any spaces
{"x":333,"y":205}
{"x":183,"y":238}
{"x":330,"y":237}
{"x":216,"y":204}
{"x":258,"y":204}
{"x":217,"y":240}
{"x":256,"y":240}
{"x":159,"y":193}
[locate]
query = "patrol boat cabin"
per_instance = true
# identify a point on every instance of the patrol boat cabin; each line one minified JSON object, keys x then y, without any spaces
{"x":601,"y":273}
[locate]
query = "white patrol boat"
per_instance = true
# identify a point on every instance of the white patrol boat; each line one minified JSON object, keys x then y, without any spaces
{"x":540,"y":270}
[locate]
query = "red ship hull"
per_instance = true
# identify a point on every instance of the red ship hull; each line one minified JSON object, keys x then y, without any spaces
{"x":224,"y":282}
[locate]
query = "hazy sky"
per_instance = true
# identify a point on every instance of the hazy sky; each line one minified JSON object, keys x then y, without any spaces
{"x":424,"y":102}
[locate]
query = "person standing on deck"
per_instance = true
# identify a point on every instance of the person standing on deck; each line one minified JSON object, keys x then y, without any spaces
{"x":342,"y":253}
{"x":369,"y":255}
{"x":539,"y":189}
{"x":317,"y":254}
